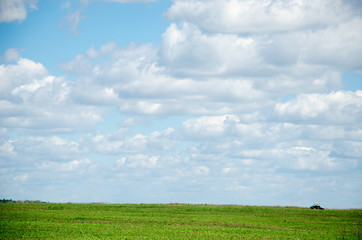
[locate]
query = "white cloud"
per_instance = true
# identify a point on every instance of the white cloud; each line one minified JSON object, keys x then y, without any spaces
{"x":284,"y":42}
{"x":133,"y":78}
{"x":7,"y":149}
{"x":73,"y":17}
{"x":74,"y":165}
{"x":250,"y":16}
{"x":12,"y":54}
{"x":105,"y":145}
{"x":139,"y":161}
{"x":96,"y":95}
{"x":29,"y":149}
{"x":15,"y":75}
{"x":336,"y":107}
{"x":227,"y":170}
{"x":206,"y":127}
{"x":335,"y":46}
{"x":21,"y":178}
{"x":310,"y":158}
{"x":54,"y":145}
{"x":15,"y":10}
{"x":237,"y":187}
{"x":73,"y":20}
{"x":120,"y":143}
{"x":187,"y":50}
{"x":105,"y":49}
{"x":201,"y":171}
{"x":31,"y":98}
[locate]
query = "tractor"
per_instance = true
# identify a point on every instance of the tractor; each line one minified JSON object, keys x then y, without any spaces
{"x":316,"y":206}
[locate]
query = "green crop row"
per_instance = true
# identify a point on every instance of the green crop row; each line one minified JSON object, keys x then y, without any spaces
{"x":174,"y":221}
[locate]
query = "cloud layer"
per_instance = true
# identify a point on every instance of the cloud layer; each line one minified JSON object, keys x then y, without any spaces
{"x":256,"y":89}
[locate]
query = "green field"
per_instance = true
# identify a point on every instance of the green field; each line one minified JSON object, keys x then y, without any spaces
{"x":174,"y":221}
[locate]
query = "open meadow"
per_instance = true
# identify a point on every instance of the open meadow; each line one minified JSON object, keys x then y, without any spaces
{"x":174,"y":221}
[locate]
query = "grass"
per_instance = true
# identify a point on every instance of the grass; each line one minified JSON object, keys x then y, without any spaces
{"x":174,"y":221}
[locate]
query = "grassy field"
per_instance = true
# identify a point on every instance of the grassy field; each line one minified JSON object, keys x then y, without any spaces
{"x":174,"y":221}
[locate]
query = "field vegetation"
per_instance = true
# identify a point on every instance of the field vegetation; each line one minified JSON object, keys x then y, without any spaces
{"x":174,"y":221}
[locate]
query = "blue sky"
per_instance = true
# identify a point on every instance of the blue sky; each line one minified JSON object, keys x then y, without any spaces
{"x":220,"y":102}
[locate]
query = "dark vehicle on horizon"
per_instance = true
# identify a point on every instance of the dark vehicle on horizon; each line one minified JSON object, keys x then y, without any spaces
{"x":316,"y":206}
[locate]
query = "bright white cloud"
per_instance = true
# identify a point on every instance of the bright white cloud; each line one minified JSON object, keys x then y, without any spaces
{"x":335,"y":107}
{"x":275,"y":34}
{"x":187,"y":50}
{"x":310,"y":158}
{"x":120,"y":143}
{"x":14,"y":75}
{"x":51,"y":146}
{"x":134,"y":79}
{"x":31,"y":98}
{"x":139,"y":161}
{"x":15,"y":10}
{"x":214,"y":127}
{"x":250,"y":16}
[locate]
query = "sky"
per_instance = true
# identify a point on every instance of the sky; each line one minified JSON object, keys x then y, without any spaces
{"x":182,"y":101}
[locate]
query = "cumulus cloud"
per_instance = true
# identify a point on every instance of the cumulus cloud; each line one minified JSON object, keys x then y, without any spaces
{"x":256,"y":69}
{"x":260,"y":16}
{"x":13,"y":75}
{"x":16,"y":10}
{"x":138,"y":161}
{"x":335,"y":46}
{"x":192,"y":52}
{"x":271,"y":146}
{"x":336,"y":107}
{"x":31,"y":98}
{"x":49,"y":146}
{"x":269,"y":38}
{"x":211,"y":126}
{"x":133,"y":78}
{"x":120,"y":143}
{"x":309,"y":158}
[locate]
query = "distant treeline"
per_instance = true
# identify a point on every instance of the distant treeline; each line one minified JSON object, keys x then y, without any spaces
{"x":20,"y":201}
